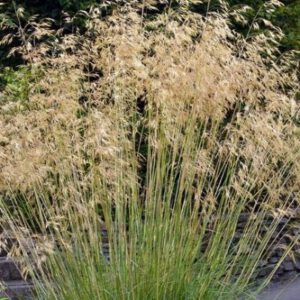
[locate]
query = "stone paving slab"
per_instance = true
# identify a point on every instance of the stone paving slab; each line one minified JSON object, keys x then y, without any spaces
{"x":282,"y":291}
{"x":17,"y":290}
{"x":9,"y":270}
{"x":16,"y":287}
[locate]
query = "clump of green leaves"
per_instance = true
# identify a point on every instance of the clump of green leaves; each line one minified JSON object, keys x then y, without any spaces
{"x":16,"y":84}
{"x":284,"y":14}
{"x":288,"y":18}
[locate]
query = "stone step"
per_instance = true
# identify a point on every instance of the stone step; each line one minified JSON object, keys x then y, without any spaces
{"x":3,"y":253}
{"x":9,"y":270}
{"x":17,"y":290}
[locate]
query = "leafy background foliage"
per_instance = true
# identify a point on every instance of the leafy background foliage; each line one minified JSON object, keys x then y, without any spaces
{"x":19,"y":21}
{"x":286,"y":17}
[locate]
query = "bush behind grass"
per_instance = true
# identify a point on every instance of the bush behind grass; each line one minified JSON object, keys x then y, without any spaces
{"x":163,"y":137}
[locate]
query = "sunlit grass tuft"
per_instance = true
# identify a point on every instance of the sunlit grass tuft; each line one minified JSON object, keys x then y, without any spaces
{"x":161,"y":138}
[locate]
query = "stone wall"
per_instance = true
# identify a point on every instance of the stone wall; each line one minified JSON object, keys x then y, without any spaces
{"x":282,"y":237}
{"x":16,"y":287}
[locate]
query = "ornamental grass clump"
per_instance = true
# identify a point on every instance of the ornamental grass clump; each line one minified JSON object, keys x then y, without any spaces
{"x":142,"y":143}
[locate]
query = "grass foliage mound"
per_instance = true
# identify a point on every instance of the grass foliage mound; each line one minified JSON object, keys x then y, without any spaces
{"x":160,"y":131}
